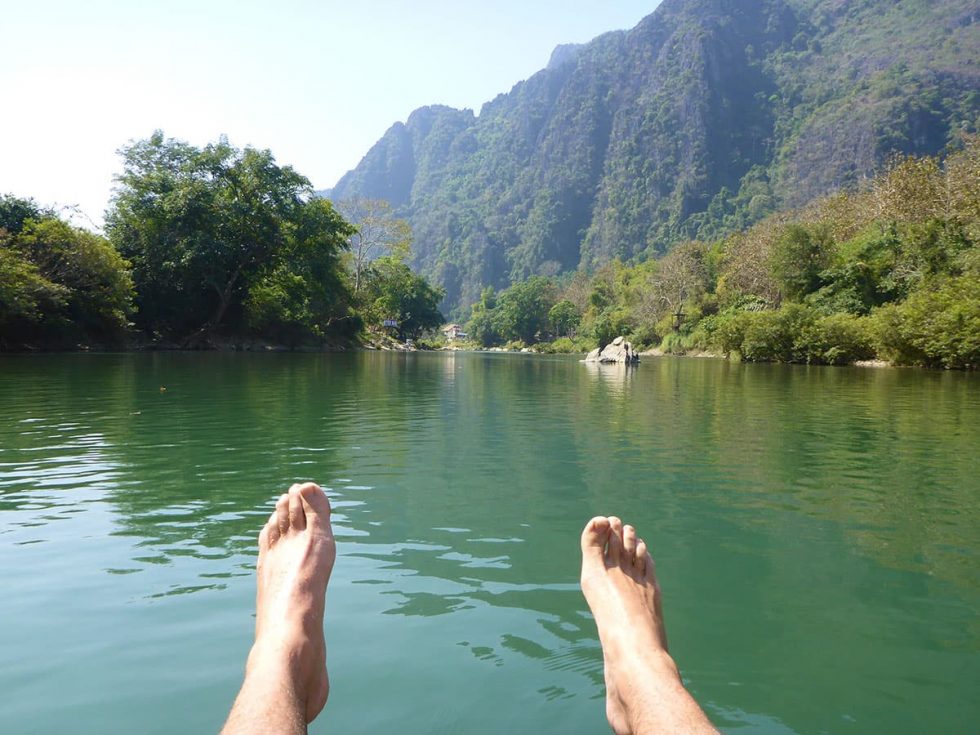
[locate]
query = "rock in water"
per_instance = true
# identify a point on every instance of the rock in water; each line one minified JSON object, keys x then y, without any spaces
{"x":619,"y":350}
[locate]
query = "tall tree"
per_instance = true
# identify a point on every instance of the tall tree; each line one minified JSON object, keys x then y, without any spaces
{"x":680,"y":275}
{"x":394,"y":292}
{"x":202,"y":226}
{"x":377,"y":232}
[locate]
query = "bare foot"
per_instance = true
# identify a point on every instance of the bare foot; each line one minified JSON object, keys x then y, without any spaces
{"x":644,"y":692}
{"x":286,"y":682}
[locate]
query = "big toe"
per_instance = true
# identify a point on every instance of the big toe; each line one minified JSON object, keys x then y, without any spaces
{"x":316,"y":504}
{"x":595,"y":537}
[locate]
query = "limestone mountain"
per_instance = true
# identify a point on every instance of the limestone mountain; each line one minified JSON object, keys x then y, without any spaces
{"x":705,"y":117}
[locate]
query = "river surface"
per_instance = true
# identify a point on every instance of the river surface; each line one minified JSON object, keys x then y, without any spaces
{"x":816,"y":531}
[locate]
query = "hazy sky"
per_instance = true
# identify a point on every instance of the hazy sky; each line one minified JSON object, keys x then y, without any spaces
{"x":316,"y":82}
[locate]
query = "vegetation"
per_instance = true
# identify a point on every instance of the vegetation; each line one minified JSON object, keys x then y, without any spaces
{"x":377,"y":232}
{"x":890,"y":272}
{"x":59,"y":285}
{"x":701,"y":121}
{"x":205,"y":246}
{"x":394,"y":293}
{"x":220,"y":239}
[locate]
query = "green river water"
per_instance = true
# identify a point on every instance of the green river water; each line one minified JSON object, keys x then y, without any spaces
{"x":816,"y":531}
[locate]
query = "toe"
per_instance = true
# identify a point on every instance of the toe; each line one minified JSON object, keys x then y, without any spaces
{"x":282,"y":514}
{"x":316,"y":505}
{"x":615,"y":552}
{"x":642,"y":557}
{"x":629,"y":546}
{"x":270,"y":532}
{"x":595,"y":537}
{"x":297,"y":516}
{"x":649,"y":567}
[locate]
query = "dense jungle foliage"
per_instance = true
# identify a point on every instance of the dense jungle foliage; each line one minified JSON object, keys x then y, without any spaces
{"x":205,"y":246}
{"x":704,"y":119}
{"x":891,"y":272}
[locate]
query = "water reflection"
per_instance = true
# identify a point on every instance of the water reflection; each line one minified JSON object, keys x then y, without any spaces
{"x":615,"y":378}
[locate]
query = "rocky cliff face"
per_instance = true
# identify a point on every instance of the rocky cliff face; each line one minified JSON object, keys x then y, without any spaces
{"x":706,"y":116}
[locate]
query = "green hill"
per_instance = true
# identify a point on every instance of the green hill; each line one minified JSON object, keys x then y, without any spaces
{"x":704,"y":118}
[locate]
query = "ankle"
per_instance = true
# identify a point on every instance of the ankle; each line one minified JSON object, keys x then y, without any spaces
{"x":280,"y":655}
{"x":650,"y":662}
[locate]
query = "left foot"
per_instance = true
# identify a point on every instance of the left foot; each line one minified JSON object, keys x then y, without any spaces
{"x":296,"y":555}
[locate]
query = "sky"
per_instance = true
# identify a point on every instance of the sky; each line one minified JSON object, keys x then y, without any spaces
{"x":316,"y":82}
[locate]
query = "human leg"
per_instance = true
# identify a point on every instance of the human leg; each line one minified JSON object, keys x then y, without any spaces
{"x":286,"y":682}
{"x":644,"y":691}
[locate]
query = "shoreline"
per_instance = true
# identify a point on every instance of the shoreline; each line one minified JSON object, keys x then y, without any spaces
{"x":390,"y":345}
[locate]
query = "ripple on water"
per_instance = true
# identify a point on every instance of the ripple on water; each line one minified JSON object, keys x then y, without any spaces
{"x":780,"y":503}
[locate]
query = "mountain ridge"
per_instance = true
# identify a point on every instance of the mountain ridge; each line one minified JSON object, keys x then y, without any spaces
{"x":704,"y":117}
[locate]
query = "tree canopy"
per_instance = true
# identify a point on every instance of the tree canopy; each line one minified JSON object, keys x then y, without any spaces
{"x":59,"y":285}
{"x":204,"y":227}
{"x":392,"y":291}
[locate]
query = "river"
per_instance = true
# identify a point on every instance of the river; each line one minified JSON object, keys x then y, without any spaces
{"x":816,"y":531}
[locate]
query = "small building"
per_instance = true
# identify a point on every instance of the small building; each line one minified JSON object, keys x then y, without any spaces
{"x":453,"y":332}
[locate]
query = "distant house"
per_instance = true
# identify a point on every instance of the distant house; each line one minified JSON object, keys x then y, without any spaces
{"x":453,"y":332}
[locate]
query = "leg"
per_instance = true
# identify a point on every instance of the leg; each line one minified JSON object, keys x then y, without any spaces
{"x":286,"y":682}
{"x":644,"y":692}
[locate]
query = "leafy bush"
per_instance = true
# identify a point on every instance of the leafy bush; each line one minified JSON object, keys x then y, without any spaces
{"x":838,"y":339}
{"x":937,"y":326}
{"x":566,"y":345}
{"x":770,"y":336}
{"x":59,"y":285}
{"x":726,"y":331}
{"x":645,"y":335}
{"x":676,"y":343}
{"x":610,"y":324}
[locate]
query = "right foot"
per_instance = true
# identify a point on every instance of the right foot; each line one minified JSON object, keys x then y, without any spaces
{"x":644,"y":692}
{"x":296,"y":555}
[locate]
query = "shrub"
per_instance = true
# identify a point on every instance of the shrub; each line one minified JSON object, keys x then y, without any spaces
{"x":566,"y":345}
{"x":727,"y":331}
{"x":936,"y":326}
{"x":676,"y":343}
{"x":611,"y":324}
{"x":770,"y":336}
{"x":837,"y":339}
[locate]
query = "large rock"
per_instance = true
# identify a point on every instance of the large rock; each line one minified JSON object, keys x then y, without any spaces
{"x":619,"y":350}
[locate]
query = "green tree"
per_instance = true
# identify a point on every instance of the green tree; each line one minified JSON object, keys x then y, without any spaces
{"x":564,"y":318}
{"x":26,"y":297}
{"x":800,"y":255}
{"x":15,"y":212}
{"x":203,"y":226}
{"x":98,"y":288}
{"x":522,"y":310}
{"x":938,"y":325}
{"x":304,"y":295}
{"x":481,"y":326}
{"x":59,"y":284}
{"x":393,"y":291}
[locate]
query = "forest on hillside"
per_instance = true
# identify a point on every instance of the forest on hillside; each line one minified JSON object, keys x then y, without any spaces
{"x":891,"y":272}
{"x":704,"y":119}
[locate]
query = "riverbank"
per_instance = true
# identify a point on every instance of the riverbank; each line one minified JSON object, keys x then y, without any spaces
{"x":384,"y":343}
{"x":657,"y":352}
